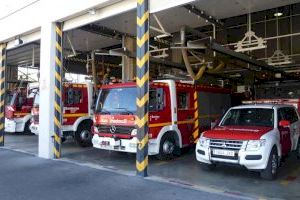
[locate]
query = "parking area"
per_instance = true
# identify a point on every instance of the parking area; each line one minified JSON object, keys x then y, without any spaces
{"x":183,"y":170}
{"x":218,"y":81}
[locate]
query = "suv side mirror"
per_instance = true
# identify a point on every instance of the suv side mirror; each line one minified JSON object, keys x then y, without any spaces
{"x":284,"y":123}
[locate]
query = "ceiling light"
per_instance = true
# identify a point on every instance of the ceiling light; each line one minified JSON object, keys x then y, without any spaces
{"x":92,"y":11}
{"x":278,"y":14}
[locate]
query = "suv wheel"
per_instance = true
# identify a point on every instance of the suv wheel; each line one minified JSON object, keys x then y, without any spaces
{"x":270,"y":172}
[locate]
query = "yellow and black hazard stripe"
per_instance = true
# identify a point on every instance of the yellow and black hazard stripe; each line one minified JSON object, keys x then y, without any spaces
{"x":2,"y":91}
{"x":58,"y":91}
{"x":196,"y":118}
{"x":142,"y":82}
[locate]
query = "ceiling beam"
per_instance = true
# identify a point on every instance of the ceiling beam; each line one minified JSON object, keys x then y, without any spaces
{"x":202,"y":14}
{"x":213,"y":45}
{"x":104,"y":31}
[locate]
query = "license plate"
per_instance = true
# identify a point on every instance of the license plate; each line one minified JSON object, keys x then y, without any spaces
{"x":221,"y":152}
{"x":105,"y":143}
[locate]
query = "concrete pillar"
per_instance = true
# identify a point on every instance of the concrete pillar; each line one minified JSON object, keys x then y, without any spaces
{"x":2,"y":91}
{"x":47,"y":77}
{"x":142,"y":83}
{"x":128,"y":64}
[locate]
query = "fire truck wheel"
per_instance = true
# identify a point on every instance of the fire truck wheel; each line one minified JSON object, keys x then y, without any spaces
{"x":271,"y":170}
{"x":27,"y":130}
{"x":167,"y":147}
{"x":83,"y":135}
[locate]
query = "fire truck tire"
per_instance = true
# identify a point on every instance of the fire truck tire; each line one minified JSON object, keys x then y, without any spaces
{"x":27,"y":130}
{"x":83,"y":135}
{"x":270,"y":172}
{"x":167,"y":147}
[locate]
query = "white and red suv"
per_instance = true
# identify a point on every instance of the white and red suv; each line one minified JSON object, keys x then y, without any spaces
{"x":254,"y":136}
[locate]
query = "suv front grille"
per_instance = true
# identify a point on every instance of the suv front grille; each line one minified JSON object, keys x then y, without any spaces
{"x":226,"y":144}
{"x":115,"y":129}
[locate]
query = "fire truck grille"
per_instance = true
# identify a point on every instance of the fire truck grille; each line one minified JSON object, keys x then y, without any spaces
{"x":226,"y":144}
{"x":35,"y":118}
{"x":115,"y":129}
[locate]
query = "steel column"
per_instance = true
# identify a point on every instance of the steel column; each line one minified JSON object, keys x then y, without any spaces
{"x":2,"y":92}
{"x":142,"y":82}
{"x":58,"y":91}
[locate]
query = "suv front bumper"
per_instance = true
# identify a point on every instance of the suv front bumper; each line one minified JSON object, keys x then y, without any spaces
{"x":252,"y":160}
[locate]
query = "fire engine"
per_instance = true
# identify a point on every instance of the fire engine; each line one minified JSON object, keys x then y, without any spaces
{"x":256,"y":136}
{"x":77,"y":111}
{"x":17,"y":110}
{"x":292,"y":102}
{"x":172,"y":112}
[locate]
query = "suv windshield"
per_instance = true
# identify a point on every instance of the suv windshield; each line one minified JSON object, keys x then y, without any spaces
{"x":249,"y":117}
{"x":117,"y":101}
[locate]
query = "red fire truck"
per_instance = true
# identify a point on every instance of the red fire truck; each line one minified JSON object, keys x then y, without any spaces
{"x":292,"y":102}
{"x":171,"y":115}
{"x":17,"y":110}
{"x":77,"y":111}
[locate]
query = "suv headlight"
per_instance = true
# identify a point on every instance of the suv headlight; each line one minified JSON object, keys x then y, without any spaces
{"x":203,"y":142}
{"x":254,"y":145}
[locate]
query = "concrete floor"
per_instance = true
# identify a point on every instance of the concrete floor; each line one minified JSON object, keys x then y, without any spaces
{"x":183,"y":170}
{"x":24,"y":177}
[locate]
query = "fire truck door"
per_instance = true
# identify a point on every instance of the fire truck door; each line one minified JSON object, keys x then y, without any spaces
{"x":159,"y":109}
{"x":185,"y":115}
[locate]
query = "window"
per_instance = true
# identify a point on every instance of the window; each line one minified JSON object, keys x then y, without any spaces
{"x":117,"y":101}
{"x":156,"y":99}
{"x":288,"y":113}
{"x":73,"y":96}
{"x":183,"y":100}
{"x":249,"y":117}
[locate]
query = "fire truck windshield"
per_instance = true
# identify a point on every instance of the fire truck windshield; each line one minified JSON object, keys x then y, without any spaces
{"x":249,"y":117}
{"x":117,"y":101}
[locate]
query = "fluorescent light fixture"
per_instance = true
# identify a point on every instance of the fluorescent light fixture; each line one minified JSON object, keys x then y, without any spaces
{"x":278,"y":14}
{"x":18,"y":42}
{"x":92,"y":11}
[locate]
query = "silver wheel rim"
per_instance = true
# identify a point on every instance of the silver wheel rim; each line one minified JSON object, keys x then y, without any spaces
{"x":168,"y":147}
{"x":85,"y":135}
{"x":274,"y":164}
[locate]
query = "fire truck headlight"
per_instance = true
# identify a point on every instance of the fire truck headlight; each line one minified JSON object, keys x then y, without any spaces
{"x":254,"y":145}
{"x":134,"y":132}
{"x":203,"y":142}
{"x":95,"y":129}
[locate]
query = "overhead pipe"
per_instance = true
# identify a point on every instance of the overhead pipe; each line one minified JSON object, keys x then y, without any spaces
{"x":188,"y":64}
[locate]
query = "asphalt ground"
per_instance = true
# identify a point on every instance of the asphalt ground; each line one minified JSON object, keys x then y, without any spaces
{"x":24,"y":177}
{"x":183,"y":170}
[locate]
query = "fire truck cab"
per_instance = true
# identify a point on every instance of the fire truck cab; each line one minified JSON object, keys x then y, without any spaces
{"x":177,"y":112}
{"x":77,"y":111}
{"x":17,"y":110}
